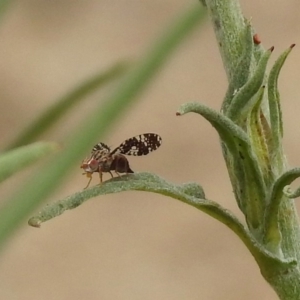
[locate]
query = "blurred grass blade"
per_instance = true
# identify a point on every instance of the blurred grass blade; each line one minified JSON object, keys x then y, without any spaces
{"x":60,"y":107}
{"x":95,"y":125}
{"x":3,"y":6}
{"x":19,"y":158}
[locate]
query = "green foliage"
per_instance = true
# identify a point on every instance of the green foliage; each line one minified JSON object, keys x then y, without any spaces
{"x":189,"y":193}
{"x":3,"y":6}
{"x":241,"y":102}
{"x":276,"y":151}
{"x":249,"y":127}
{"x":15,"y":160}
{"x":65,"y":104}
{"x":28,"y":197}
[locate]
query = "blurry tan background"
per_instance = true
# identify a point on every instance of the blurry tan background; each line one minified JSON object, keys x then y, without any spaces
{"x":133,"y":245}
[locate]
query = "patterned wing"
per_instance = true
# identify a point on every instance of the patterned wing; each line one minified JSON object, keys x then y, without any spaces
{"x":139,"y":145}
{"x":99,"y":151}
{"x":100,"y":147}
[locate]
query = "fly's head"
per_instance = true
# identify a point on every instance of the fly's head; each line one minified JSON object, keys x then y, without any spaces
{"x":94,"y":162}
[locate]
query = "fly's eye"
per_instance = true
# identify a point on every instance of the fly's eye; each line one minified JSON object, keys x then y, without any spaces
{"x":90,"y":166}
{"x":93,"y":164}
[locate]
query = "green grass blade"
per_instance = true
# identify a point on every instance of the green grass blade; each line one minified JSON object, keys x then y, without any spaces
{"x":60,"y":107}
{"x":97,"y":124}
{"x":15,"y":160}
{"x":3,"y":6}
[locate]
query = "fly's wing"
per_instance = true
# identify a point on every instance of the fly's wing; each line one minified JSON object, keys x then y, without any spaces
{"x":99,"y":151}
{"x":139,"y":145}
{"x":100,"y":147}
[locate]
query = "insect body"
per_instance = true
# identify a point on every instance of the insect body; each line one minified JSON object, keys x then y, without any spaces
{"x":103,"y":160}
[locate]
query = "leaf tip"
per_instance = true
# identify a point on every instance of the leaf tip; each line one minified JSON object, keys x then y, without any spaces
{"x":256,"y":39}
{"x":193,"y":189}
{"x":34,"y":222}
{"x":178,"y":113}
{"x":292,"y":46}
{"x":271,"y":49}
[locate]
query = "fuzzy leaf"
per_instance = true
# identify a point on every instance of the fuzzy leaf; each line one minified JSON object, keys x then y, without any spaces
{"x":153,"y":183}
{"x":290,"y":193}
{"x":275,"y":112}
{"x":246,"y":175}
{"x":277,"y":195}
{"x":257,"y":135}
{"x":241,"y":102}
{"x":136,"y":181}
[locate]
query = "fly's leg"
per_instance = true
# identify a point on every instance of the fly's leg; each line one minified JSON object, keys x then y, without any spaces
{"x":88,"y":175}
{"x":100,"y":177}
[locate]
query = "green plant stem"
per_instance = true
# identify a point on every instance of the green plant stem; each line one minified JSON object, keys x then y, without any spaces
{"x":229,"y":26}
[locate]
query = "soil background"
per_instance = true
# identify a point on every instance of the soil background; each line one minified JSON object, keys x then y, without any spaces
{"x":133,"y":245}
